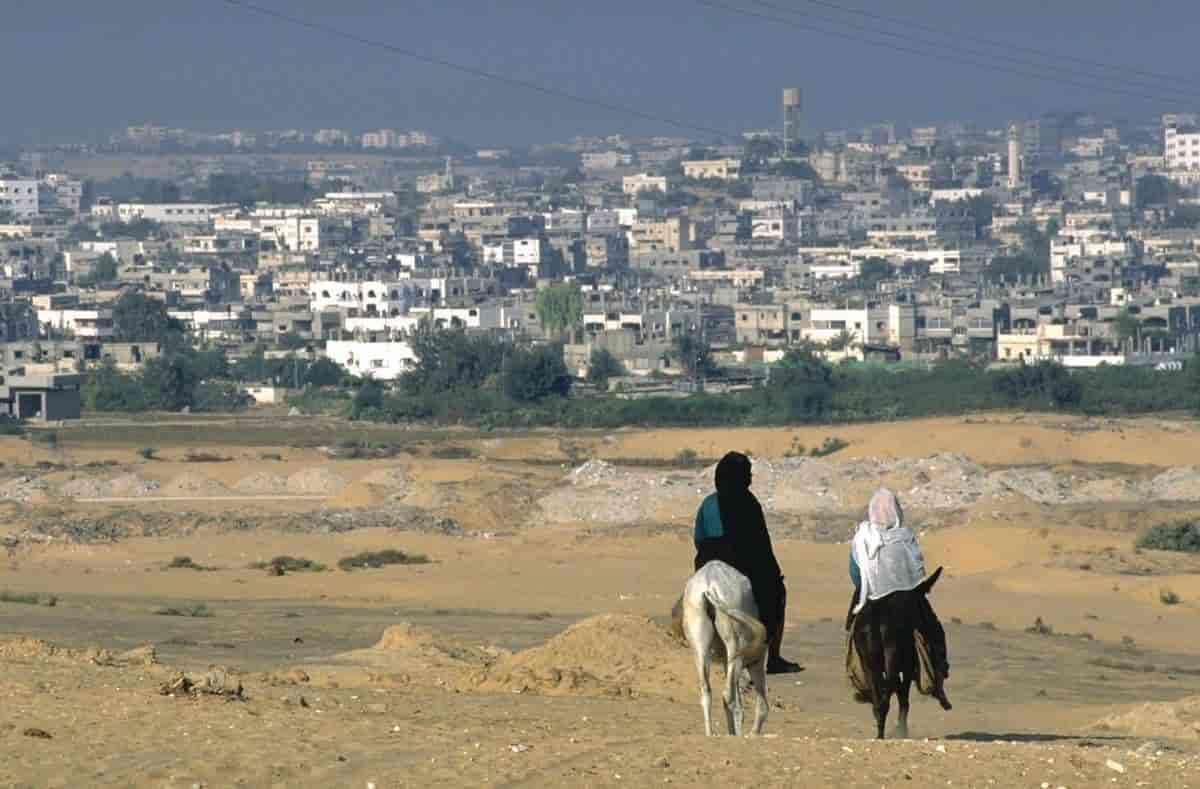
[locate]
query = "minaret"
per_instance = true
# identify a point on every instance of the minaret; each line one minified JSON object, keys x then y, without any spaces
{"x":791,"y":120}
{"x":449,"y":174}
{"x":1014,"y":157}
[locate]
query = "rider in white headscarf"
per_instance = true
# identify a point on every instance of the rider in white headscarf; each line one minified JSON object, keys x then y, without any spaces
{"x":884,"y":555}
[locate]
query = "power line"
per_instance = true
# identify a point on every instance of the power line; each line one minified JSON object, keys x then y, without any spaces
{"x":474,"y":71}
{"x":1139,"y":94}
{"x":994,"y":43}
{"x":1138,"y":84}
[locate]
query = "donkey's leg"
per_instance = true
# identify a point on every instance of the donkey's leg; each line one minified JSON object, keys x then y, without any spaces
{"x":758,"y":672}
{"x":902,"y":690}
{"x":700,"y":636}
{"x":732,"y":695}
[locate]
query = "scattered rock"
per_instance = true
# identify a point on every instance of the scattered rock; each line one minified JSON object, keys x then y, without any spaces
{"x":40,"y":734}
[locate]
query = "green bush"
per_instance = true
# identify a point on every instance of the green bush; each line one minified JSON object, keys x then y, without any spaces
{"x":281,"y":565}
{"x":1179,"y":536}
{"x":375,"y":559}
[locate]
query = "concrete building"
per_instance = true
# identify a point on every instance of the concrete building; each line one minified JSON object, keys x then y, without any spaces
{"x":719,"y":169}
{"x":382,"y":361}
{"x":361,"y":298}
{"x":667,"y":235}
{"x":42,"y":397}
{"x":634,"y":184}
{"x":20,"y":197}
{"x":79,"y":323}
{"x":171,"y":213}
{"x":1181,"y":149}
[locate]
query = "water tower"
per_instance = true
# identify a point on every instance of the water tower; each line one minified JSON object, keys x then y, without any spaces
{"x":791,"y":119}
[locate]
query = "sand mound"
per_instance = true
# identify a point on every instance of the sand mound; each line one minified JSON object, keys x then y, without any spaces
{"x":408,"y":654}
{"x":316,"y":481}
{"x":1177,"y":484}
{"x":192,"y":484}
{"x":1177,"y":720}
{"x":262,"y":483}
{"x":25,"y":648}
{"x":612,"y":654}
{"x":125,"y":485}
{"x":357,"y":495}
{"x":392,"y":477}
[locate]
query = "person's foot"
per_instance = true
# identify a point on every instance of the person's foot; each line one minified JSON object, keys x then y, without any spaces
{"x":943,"y":700}
{"x":782,"y":666}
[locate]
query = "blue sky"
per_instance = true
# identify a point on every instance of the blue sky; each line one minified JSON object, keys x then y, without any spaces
{"x":73,"y":67}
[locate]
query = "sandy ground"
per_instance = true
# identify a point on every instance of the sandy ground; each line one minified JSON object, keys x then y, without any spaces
{"x":530,"y":649}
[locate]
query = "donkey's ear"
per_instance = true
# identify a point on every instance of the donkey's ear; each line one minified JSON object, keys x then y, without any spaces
{"x":928,"y":583}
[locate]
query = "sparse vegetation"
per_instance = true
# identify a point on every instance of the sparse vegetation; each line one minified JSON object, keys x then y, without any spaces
{"x":25,"y":598}
{"x":185,"y":563}
{"x":832,"y":444}
{"x":270,"y":456}
{"x":1181,"y":536}
{"x":1167,"y":596}
{"x":148,"y":453}
{"x":687,"y":458}
{"x":197,"y":611}
{"x":452,"y":453}
{"x":282,"y":565}
{"x":375,"y":559}
{"x":196,"y":456}
{"x":1040,"y":628}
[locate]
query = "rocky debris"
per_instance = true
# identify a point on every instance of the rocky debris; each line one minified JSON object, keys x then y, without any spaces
{"x":316,"y":481}
{"x":262,"y":483}
{"x":1168,"y":720}
{"x":122,"y":486}
{"x":190,"y":483}
{"x":23,"y":489}
{"x":39,"y":734}
{"x":216,"y":682}
{"x":1177,"y":484}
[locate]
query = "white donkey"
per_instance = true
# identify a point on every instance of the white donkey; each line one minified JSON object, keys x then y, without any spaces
{"x":719,"y":600}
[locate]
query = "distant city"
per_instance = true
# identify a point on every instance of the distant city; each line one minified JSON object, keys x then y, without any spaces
{"x":1068,"y":237}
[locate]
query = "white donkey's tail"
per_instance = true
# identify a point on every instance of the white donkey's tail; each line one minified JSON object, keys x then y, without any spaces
{"x":758,"y":632}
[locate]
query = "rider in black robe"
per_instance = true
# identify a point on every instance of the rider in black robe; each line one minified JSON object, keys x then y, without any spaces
{"x":742,"y":541}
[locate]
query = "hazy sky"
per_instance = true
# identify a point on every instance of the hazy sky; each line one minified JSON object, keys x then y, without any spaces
{"x":72,"y":66}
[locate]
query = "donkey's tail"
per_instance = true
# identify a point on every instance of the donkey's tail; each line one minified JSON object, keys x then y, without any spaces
{"x":758,"y":632}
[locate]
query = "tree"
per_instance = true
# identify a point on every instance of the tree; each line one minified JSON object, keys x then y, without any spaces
{"x":139,"y":318}
{"x":1126,"y":327}
{"x":367,"y":400}
{"x":1154,"y":190}
{"x":560,"y":307}
{"x":1045,"y":186}
{"x":872,"y":272}
{"x":451,"y":360}
{"x":105,"y":269}
{"x":169,"y":383}
{"x":602,"y":365}
{"x":533,"y":374}
{"x":982,"y":208}
{"x":694,"y":355}
{"x":792,"y":168}
{"x":800,"y":387}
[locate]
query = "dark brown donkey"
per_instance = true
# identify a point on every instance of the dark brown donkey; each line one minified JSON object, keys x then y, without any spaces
{"x":883,"y":656}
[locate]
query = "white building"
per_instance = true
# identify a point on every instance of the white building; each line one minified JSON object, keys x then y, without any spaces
{"x":287,"y":229}
{"x":526,"y":252}
{"x":354,"y":203}
{"x":171,"y":213}
{"x":382,"y":361}
{"x":91,"y":324}
{"x":642,"y":182}
{"x":1181,"y":149}
{"x":384,"y":138}
{"x":20,"y":198}
{"x":721,"y":169}
{"x":360,"y":297}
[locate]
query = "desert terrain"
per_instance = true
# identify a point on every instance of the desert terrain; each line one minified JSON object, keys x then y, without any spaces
{"x":148,"y":637}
